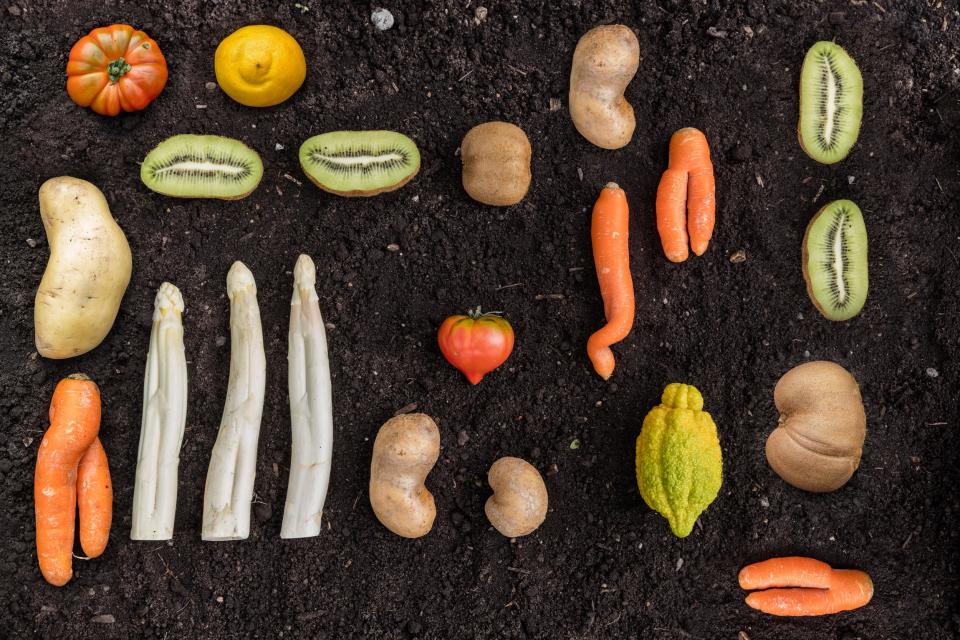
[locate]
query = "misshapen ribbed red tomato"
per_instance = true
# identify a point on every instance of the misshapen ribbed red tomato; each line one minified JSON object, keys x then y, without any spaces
{"x":476,"y":344}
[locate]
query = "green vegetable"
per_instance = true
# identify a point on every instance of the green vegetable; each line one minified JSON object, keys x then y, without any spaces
{"x":679,"y":465}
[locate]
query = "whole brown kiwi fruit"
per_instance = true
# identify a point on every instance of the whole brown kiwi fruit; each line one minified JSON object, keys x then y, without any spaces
{"x":819,"y":439}
{"x":496,"y":163}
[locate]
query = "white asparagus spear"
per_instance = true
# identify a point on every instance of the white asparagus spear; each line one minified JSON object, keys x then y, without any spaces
{"x":164,"y":418}
{"x":311,"y":408}
{"x":233,"y":462}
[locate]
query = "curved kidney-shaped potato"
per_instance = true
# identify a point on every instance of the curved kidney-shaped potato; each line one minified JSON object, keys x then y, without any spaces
{"x":604,"y":63}
{"x":818,"y":442}
{"x":406,"y":448}
{"x":87,"y":273}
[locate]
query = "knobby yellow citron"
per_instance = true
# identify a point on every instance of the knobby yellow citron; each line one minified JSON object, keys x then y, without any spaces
{"x":259,"y":65}
{"x":679,"y":464}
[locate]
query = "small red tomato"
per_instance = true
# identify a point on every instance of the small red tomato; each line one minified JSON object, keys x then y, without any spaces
{"x":476,"y":344}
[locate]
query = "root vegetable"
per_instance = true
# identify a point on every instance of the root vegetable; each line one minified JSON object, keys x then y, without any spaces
{"x":611,"y":255}
{"x":604,"y":63}
{"x":819,"y":439}
{"x":94,"y":500}
{"x":686,"y":201}
{"x":815,"y":588}
{"x":163,"y":422}
{"x":406,"y":448}
{"x":233,"y":461}
{"x":496,"y":163}
{"x":519,"y":501}
{"x":311,"y":408}
{"x":88,"y":270}
{"x":74,"y":424}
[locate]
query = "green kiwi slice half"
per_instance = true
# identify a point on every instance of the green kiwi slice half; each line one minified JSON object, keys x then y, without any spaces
{"x":835,"y":260}
{"x":360,"y":163}
{"x":831,"y":103}
{"x":195,"y":166}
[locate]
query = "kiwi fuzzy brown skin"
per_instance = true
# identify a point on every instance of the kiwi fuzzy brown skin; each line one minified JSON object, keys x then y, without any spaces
{"x":361,"y":193}
{"x":805,"y":261}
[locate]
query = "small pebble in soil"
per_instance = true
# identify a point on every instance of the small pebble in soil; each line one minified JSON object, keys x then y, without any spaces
{"x":739,"y":256}
{"x":31,"y":243}
{"x":221,"y":340}
{"x":381,"y":18}
{"x":933,"y":373}
{"x":278,"y":147}
{"x":393,"y":247}
{"x":211,"y":86}
{"x":463,"y":438}
{"x":262,"y":511}
{"x":103,"y":618}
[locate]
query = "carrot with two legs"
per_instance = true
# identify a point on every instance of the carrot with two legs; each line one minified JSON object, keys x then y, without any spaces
{"x":796,"y":586}
{"x":686,"y":202}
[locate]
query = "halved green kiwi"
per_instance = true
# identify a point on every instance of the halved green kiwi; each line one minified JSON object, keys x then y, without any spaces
{"x":360,"y":163}
{"x":835,"y":260}
{"x":831,"y":103}
{"x":194,"y":166}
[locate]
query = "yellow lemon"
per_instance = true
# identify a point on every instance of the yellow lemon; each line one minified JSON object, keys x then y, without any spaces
{"x":260,"y":65}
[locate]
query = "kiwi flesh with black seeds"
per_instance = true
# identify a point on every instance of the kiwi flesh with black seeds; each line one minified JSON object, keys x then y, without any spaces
{"x":360,"y":163}
{"x":831,"y":103}
{"x":835,"y":260}
{"x":199,"y":166}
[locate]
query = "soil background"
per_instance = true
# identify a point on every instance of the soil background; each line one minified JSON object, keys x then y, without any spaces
{"x":603,"y":565}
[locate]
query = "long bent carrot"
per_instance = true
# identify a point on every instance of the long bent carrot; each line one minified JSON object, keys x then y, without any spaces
{"x":94,"y":500}
{"x":611,"y":256}
{"x":686,"y":202}
{"x":792,"y":571}
{"x":821,"y":589}
{"x":74,"y":424}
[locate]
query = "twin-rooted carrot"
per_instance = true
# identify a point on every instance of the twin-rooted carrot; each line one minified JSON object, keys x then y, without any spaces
{"x":71,"y":471}
{"x":686,"y":202}
{"x":611,"y":255}
{"x":796,"y":586}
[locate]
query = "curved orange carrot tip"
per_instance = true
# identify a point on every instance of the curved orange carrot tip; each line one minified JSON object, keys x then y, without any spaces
{"x":611,"y":256}
{"x":818,"y":589}
{"x":71,"y":461}
{"x":686,"y":202}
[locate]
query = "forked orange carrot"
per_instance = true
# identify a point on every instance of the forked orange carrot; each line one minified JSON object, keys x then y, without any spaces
{"x":611,"y":256}
{"x":94,"y":500}
{"x":74,"y":423}
{"x":816,"y":592}
{"x":686,"y":203}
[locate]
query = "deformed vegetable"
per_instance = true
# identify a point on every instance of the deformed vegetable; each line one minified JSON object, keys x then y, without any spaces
{"x":259,"y":65}
{"x":604,"y":63}
{"x":835,"y":260}
{"x":815,"y":589}
{"x":360,"y":163}
{"x":311,"y":408}
{"x":610,"y":228}
{"x":818,"y":441}
{"x":686,"y":202}
{"x":679,"y":463}
{"x":233,"y":461}
{"x":94,"y":500}
{"x":496,"y":163}
{"x":519,"y":501}
{"x":406,"y":448}
{"x":194,"y":166}
{"x":831,"y":103}
{"x":88,"y":270}
{"x":163,"y":422}
{"x":74,"y":425}
{"x":115,"y":68}
{"x":476,"y":343}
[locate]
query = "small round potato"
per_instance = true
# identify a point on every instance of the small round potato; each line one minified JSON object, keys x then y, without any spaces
{"x":818,"y":441}
{"x":496,"y":163}
{"x":604,"y":63}
{"x":519,"y":501}
{"x":406,"y":448}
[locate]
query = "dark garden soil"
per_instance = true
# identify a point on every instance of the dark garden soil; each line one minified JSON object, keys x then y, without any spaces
{"x":603,"y":565}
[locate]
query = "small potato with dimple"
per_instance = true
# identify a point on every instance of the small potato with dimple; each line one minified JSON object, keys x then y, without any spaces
{"x":406,"y":448}
{"x":496,"y":163}
{"x":604,"y":63}
{"x":519,"y":501}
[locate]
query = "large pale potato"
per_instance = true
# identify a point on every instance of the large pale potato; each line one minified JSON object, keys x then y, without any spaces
{"x":88,"y":270}
{"x":604,"y":63}
{"x":819,"y":440}
{"x":406,"y":448}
